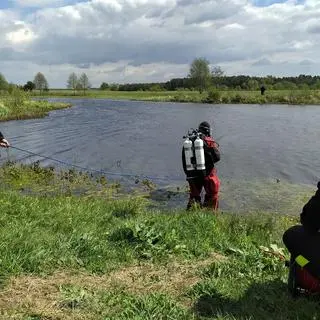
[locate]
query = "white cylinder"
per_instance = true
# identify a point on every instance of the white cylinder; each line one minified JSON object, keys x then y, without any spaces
{"x":199,"y":152}
{"x":187,"y":147}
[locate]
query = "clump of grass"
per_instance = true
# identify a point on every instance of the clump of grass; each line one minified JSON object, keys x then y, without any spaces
{"x":16,"y":105}
{"x":46,"y":181}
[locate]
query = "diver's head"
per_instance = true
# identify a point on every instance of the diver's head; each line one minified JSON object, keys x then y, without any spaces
{"x":204,"y":127}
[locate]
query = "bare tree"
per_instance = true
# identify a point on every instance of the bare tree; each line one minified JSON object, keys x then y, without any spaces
{"x":40,"y":82}
{"x":216,"y":73}
{"x":84,"y":83}
{"x":72,"y":82}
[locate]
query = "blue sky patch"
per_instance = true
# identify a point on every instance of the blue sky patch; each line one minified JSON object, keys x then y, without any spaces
{"x":266,"y":3}
{"x":6,"y":4}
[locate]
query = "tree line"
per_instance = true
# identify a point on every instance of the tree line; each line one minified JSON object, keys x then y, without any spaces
{"x":40,"y":83}
{"x":240,"y":82}
{"x":201,"y":77}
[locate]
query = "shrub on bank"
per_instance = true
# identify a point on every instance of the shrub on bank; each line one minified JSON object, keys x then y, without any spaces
{"x":16,"y":104}
{"x":214,"y":96}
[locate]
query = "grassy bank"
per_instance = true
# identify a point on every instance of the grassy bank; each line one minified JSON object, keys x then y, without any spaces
{"x":211,"y":96}
{"x":17,"y":105}
{"x":73,"y":247}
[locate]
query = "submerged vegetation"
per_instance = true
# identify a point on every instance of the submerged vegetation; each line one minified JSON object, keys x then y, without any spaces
{"x":80,"y":247}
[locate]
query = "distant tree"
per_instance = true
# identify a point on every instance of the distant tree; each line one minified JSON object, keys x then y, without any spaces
{"x":104,"y":86}
{"x":3,"y":82}
{"x":269,"y":80}
{"x":114,"y":87}
{"x":252,"y":84}
{"x":177,"y":83}
{"x":12,"y":87}
{"x":72,"y":82}
{"x":78,"y":86}
{"x":316,"y":85}
{"x":285,"y":84}
{"x":40,"y":82}
{"x":29,"y":86}
{"x":84,"y":83}
{"x":303,"y":86}
{"x":200,"y":73}
{"x":155,"y":87}
{"x":216,"y":73}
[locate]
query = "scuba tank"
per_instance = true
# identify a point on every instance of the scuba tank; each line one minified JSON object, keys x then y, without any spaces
{"x":193,"y":148}
{"x":187,"y":146}
{"x":199,"y":153}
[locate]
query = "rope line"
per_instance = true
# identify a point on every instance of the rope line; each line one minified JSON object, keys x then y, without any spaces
{"x":95,"y":170}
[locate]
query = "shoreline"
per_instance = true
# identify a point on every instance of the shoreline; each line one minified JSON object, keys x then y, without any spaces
{"x":281,"y":97}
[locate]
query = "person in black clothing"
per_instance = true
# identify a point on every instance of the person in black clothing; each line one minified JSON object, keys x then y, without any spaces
{"x":303,"y":241}
{"x":3,"y":142}
{"x":262,"y":89}
{"x":209,"y":181}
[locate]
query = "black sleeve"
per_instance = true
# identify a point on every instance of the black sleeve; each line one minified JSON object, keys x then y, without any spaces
{"x":310,"y":215}
{"x":213,"y":151}
{"x":215,"y":154}
{"x":1,"y":136}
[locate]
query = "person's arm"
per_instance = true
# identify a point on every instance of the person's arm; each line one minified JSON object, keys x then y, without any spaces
{"x":215,"y":152}
{"x":310,"y":215}
{"x":212,"y":148}
{"x":3,"y":142}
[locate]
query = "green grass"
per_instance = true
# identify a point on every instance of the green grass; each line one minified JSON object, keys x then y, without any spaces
{"x":17,"y":105}
{"x":99,"y":255}
{"x":212,"y":96}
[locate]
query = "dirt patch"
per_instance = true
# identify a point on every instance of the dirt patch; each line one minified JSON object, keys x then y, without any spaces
{"x":27,"y":295}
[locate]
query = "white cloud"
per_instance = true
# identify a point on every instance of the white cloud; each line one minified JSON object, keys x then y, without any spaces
{"x":23,"y":34}
{"x":144,"y":40}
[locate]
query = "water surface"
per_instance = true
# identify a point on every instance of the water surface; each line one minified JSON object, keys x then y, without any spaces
{"x":266,"y":142}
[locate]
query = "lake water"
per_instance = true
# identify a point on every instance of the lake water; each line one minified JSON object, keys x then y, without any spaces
{"x":257,"y":142}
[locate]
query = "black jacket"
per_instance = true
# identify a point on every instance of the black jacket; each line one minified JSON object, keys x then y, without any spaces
{"x":310,"y":215}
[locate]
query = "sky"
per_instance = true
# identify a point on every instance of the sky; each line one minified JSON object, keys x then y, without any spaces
{"x":126,"y":41}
